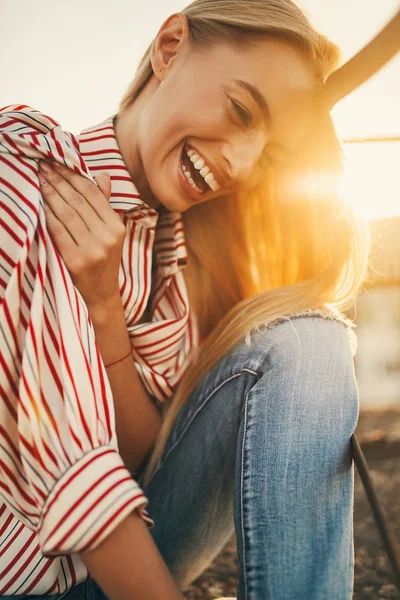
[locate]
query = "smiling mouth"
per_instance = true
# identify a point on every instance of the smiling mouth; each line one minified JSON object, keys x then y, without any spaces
{"x":197,"y":172}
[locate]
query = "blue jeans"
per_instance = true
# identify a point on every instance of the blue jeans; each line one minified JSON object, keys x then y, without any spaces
{"x":262,"y":447}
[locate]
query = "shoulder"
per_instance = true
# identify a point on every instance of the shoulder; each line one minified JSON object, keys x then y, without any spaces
{"x":26,"y":132}
{"x":23,"y":119}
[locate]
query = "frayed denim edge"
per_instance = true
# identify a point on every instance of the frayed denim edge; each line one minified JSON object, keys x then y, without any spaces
{"x":330,"y":314}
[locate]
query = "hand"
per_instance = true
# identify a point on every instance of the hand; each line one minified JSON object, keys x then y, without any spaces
{"x":88,"y":233}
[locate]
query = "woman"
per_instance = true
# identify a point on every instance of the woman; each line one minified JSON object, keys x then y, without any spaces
{"x":222,"y":129}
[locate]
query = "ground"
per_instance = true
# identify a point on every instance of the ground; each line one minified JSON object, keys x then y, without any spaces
{"x":379,"y":435}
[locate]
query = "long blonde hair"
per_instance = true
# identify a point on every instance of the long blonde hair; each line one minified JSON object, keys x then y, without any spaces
{"x":291,"y":245}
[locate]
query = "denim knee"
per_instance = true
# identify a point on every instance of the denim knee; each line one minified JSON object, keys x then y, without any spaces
{"x":294,"y":483}
{"x":309,"y":361}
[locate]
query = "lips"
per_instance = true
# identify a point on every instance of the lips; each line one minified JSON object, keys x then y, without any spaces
{"x":204,"y":175}
{"x":192,"y":175}
{"x":187,"y":189}
{"x":203,"y":165}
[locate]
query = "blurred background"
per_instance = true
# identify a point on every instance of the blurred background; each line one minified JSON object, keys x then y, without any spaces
{"x":74,"y":59}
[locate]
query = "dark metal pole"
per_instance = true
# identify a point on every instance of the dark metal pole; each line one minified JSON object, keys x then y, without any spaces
{"x":377,"y":510}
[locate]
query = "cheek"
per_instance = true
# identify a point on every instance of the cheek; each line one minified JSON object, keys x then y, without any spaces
{"x":161,"y":136}
{"x":202,"y":113}
{"x":199,"y":124}
{"x":211,"y":124}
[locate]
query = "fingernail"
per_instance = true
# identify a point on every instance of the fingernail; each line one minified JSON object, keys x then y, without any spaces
{"x":42,"y":179}
{"x":44,"y":166}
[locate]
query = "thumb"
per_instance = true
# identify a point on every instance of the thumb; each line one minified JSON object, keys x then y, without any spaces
{"x":104,"y":182}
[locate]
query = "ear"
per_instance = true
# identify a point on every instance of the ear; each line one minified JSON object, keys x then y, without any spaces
{"x":171,"y":38}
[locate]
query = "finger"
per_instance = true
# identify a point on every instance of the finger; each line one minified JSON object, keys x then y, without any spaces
{"x":88,"y":189}
{"x":66,"y":245}
{"x":64,"y":213}
{"x":104,"y":182}
{"x":69,"y":194}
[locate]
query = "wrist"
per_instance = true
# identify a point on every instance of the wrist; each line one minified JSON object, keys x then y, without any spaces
{"x":101,"y":311}
{"x":119,"y":360}
{"x":108,"y":320}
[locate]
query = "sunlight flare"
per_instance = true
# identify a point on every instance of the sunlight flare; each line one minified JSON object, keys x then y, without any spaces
{"x":371,"y":182}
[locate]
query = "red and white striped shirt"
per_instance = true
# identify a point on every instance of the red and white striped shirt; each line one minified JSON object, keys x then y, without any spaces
{"x":63,"y":484}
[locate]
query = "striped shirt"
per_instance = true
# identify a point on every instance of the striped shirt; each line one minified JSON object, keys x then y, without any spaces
{"x":63,"y":484}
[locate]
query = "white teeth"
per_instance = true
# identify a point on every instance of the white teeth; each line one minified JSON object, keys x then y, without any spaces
{"x":214,"y":186}
{"x":209,"y":178}
{"x":188,"y":176}
{"x":194,"y":186}
{"x":200,"y":165}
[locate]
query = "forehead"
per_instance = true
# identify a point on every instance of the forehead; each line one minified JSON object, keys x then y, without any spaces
{"x":283,"y":76}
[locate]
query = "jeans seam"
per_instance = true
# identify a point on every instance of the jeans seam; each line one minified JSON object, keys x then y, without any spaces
{"x":190,"y":421}
{"x":242,"y":496}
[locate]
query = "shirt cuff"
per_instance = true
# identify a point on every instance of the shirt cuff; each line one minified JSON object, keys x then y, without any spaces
{"x":88,"y":502}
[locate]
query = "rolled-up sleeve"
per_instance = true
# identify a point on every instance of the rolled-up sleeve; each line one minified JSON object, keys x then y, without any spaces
{"x":60,"y":470}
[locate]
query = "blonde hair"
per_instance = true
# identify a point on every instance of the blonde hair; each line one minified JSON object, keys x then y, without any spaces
{"x":291,"y":245}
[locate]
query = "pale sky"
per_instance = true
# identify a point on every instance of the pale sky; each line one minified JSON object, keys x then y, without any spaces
{"x":73,"y":59}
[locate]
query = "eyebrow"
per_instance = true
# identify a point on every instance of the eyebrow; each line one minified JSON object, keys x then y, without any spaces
{"x":257,"y":96}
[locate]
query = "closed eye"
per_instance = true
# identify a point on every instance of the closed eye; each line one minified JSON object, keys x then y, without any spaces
{"x":242,"y":113}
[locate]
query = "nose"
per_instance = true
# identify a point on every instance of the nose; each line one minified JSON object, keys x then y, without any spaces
{"x":242,"y":155}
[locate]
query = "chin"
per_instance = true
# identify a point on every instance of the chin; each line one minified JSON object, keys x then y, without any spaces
{"x":172,"y":202}
{"x":175,"y":194}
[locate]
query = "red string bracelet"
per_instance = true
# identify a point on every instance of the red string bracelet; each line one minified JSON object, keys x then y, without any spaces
{"x":119,"y":360}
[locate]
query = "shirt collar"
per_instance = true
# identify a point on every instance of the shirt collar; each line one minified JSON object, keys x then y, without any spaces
{"x":100,"y":151}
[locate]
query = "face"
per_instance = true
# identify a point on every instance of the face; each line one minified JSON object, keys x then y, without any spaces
{"x":215,"y":119}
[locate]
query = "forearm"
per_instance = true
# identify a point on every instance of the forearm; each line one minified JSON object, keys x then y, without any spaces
{"x":138,"y":421}
{"x":129,"y":566}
